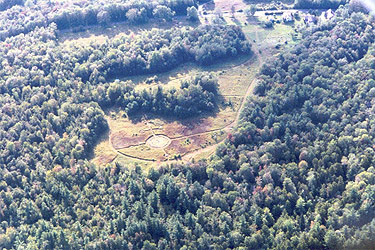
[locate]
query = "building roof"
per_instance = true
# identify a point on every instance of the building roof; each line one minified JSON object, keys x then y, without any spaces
{"x":327,"y":15}
{"x":287,"y":16}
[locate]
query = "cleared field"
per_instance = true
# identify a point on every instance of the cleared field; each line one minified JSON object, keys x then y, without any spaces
{"x":144,"y":152}
{"x":103,"y":152}
{"x":151,"y":140}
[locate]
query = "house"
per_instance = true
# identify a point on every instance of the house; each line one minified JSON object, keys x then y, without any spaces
{"x":271,"y":19}
{"x":310,"y":19}
{"x":327,"y":15}
{"x":287,"y":17}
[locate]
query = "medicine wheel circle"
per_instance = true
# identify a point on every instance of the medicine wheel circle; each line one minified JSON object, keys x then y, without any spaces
{"x":158,"y":141}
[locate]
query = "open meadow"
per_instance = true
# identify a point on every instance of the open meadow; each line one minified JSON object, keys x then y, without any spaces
{"x":128,"y":140}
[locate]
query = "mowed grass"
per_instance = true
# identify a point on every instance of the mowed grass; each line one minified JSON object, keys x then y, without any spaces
{"x":144,"y":152}
{"x":235,"y":81}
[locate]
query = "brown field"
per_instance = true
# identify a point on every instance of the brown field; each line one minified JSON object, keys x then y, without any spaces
{"x":103,"y":152}
{"x":144,"y":152}
{"x":122,"y":139}
{"x":127,"y":137}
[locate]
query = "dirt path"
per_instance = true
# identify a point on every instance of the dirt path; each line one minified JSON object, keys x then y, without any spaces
{"x":250,"y":91}
{"x":210,"y":149}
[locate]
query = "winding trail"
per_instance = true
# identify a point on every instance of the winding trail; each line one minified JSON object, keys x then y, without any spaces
{"x":228,"y":128}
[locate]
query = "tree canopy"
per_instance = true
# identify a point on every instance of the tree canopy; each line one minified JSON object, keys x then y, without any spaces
{"x":296,"y":173}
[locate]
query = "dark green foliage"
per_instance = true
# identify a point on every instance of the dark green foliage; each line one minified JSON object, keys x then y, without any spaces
{"x":195,"y":96}
{"x":192,"y":14}
{"x":297,"y":173}
{"x":50,"y":119}
{"x":319,"y":4}
{"x":67,"y":14}
{"x":6,"y":4}
{"x":156,"y":51}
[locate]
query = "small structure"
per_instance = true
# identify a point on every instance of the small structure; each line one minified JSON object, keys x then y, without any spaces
{"x":271,"y":19}
{"x":310,"y":19}
{"x":327,"y":15}
{"x":287,"y":17}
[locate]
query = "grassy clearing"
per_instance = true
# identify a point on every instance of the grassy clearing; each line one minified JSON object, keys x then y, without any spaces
{"x":129,"y":136}
{"x":131,"y":162}
{"x":226,"y":6}
{"x":103,"y":152}
{"x":193,"y":138}
{"x":203,"y":154}
{"x":144,"y":152}
{"x":234,"y":82}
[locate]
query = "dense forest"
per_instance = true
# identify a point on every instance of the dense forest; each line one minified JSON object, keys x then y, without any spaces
{"x":155,"y":51}
{"x":78,"y":14}
{"x":195,"y":96}
{"x":6,"y":4}
{"x":46,"y":97}
{"x":51,"y":115}
{"x":318,"y":4}
{"x":297,"y":173}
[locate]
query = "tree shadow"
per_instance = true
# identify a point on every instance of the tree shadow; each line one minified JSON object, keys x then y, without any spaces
{"x":186,"y":121}
{"x":208,"y":6}
{"x":253,"y":20}
{"x":102,"y":137}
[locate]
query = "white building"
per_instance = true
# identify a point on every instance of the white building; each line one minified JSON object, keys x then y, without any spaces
{"x":327,"y":15}
{"x":287,"y":17}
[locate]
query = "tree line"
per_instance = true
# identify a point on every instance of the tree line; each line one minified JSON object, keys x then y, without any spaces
{"x":196,"y":95}
{"x":68,"y":14}
{"x":318,"y":4}
{"x":156,"y":51}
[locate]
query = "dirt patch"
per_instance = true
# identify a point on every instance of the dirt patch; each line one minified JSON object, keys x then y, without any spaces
{"x":226,"y":6}
{"x":103,"y":160}
{"x":144,"y":152}
{"x":121,"y":139}
{"x":187,"y":127}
